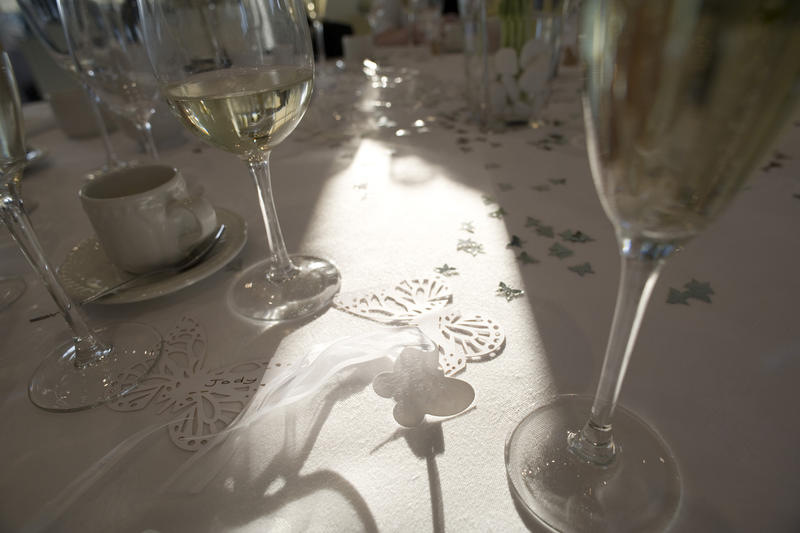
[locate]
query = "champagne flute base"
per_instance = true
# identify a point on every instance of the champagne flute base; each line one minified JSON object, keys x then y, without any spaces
{"x":310,"y":288}
{"x":59,"y":385}
{"x":639,"y":491}
{"x":10,"y":291}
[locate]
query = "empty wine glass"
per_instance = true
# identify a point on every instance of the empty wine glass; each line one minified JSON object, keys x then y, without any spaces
{"x":106,"y":42}
{"x":94,"y":366}
{"x":682,"y":98}
{"x":44,"y":20}
{"x":239,"y":74}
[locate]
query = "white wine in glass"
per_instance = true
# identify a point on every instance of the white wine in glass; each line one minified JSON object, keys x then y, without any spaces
{"x":243,"y":110}
{"x":682,"y":100}
{"x":239,"y":74}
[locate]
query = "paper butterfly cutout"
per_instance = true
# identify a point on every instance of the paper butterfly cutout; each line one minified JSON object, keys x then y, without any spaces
{"x":203,"y":402}
{"x":399,"y":305}
{"x":419,"y":387}
{"x":460,"y":338}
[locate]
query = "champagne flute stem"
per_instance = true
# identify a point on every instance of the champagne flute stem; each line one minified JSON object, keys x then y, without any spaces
{"x":641,"y":264}
{"x":145,"y":130}
{"x":319,"y":38}
{"x":280,"y":265}
{"x":87,"y":346}
{"x":111,"y":157}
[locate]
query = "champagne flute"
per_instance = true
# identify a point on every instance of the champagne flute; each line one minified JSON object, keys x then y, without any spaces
{"x":44,"y":20}
{"x":106,"y":42}
{"x":682,"y":99}
{"x":94,"y":366}
{"x":242,"y":82}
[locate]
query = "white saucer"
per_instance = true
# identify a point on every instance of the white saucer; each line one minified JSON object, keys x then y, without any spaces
{"x":87,"y":270}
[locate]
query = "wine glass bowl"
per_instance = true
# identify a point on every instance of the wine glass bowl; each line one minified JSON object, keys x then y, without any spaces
{"x":239,"y":75}
{"x":106,"y":42}
{"x":681,"y":101}
{"x":46,"y":22}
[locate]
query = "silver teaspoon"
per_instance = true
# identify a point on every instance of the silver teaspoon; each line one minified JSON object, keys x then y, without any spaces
{"x":196,"y":255}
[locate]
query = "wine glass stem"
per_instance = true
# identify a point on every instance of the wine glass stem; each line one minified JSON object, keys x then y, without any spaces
{"x":280,"y":265}
{"x":146,"y":133}
{"x":87,"y":346}
{"x":641,"y":264}
{"x":111,"y":157}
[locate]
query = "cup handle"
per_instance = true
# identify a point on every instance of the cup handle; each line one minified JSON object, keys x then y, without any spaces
{"x":194,"y":219}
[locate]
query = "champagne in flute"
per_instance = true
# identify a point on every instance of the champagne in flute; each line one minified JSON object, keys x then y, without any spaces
{"x":704,"y":96}
{"x":243,"y":110}
{"x":682,"y":99}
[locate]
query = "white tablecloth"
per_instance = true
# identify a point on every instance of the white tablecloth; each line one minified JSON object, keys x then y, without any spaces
{"x":716,"y":379}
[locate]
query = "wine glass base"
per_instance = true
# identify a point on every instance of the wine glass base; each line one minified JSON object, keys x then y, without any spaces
{"x":10,"y":291}
{"x":60,"y":385}
{"x":312,"y":287}
{"x":639,"y":491}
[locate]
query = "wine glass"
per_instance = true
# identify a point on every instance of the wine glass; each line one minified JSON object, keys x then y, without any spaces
{"x":94,"y":366}
{"x":239,"y":74}
{"x":682,"y":98}
{"x":106,"y":42}
{"x":44,"y":20}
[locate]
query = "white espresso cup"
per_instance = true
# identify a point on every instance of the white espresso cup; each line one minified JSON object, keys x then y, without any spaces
{"x":145,"y":218}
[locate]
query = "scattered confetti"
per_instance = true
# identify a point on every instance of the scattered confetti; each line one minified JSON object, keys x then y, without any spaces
{"x":560,"y":251}
{"x":488,"y":200}
{"x":500,"y":213}
{"x":507,"y":292}
{"x":775,"y":162}
{"x":694,"y":289}
{"x":575,"y":236}
{"x":532,"y":222}
{"x":582,"y":269}
{"x":516,"y":242}
{"x":446,"y":270}
{"x":558,"y":181}
{"x":548,"y":142}
{"x":541,"y":188}
{"x":505,"y":187}
{"x":526,"y":259}
{"x":468,"y":226}
{"x":699,"y":290}
{"x":545,"y":231}
{"x":469,"y":246}
{"x":677,"y":297}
